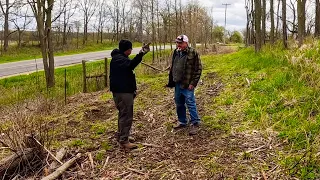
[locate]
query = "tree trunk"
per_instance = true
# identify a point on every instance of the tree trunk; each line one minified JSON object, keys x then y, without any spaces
{"x":117,"y":20}
{"x":153,"y":31}
{"x":247,"y":25}
{"x":140,"y":30}
{"x":284,"y":24}
{"x":176,"y":12}
{"x":264,"y":17}
{"x":272,"y":22}
{"x":43,"y":46}
{"x":294,"y":26}
{"x":278,"y":19}
{"x":101,"y":35}
{"x":65,"y":24}
{"x":44,"y":21}
{"x":85,"y":29}
{"x":169,"y":24}
{"x":317,"y":23}
{"x":158,"y":30}
{"x":258,"y":25}
{"x":50,"y":44}
{"x":252,"y":37}
{"x":301,"y":21}
{"x":19,"y":38}
{"x":78,"y":38}
{"x":6,"y":27}
{"x":180,"y":16}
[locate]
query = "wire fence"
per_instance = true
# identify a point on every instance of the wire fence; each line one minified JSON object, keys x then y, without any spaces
{"x":68,"y":81}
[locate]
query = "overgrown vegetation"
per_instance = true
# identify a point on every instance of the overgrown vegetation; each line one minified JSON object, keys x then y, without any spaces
{"x":273,"y":91}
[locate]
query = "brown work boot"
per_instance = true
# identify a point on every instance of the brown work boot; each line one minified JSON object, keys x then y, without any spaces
{"x":179,"y":126}
{"x":129,"y":145}
{"x":194,"y":128}
{"x":131,"y":139}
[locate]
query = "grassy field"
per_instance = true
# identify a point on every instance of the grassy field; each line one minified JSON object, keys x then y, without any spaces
{"x":274,"y":94}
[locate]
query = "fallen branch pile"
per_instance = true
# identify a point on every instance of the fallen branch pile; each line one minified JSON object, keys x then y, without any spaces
{"x":34,"y":159}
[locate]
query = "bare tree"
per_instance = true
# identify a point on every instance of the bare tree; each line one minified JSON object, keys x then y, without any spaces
{"x":293,"y":8}
{"x":310,"y":21}
{"x":21,"y":21}
{"x":102,"y":17}
{"x":69,"y":10}
{"x":5,"y":6}
{"x":115,"y":15}
{"x":139,"y":5}
{"x":42,"y":10}
{"x":125,"y":12}
{"x":168,"y":22}
{"x":77,"y":25}
{"x":88,"y":8}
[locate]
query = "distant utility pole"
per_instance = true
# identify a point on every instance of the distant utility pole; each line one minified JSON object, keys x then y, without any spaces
{"x":225,"y":22}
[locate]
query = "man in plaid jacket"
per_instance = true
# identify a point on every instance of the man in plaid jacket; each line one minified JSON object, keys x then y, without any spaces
{"x":184,"y":76}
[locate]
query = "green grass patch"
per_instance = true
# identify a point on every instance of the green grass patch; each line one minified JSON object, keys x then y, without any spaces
{"x":279,"y":96}
{"x":77,"y":143}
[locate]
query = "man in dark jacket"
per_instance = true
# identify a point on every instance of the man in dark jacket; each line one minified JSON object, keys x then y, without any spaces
{"x":123,"y":87}
{"x":184,"y":76}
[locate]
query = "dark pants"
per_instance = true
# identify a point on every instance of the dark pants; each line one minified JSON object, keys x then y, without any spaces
{"x":124,"y":103}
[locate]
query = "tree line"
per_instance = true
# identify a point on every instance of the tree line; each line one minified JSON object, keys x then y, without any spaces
{"x":59,"y":23}
{"x":269,"y":21}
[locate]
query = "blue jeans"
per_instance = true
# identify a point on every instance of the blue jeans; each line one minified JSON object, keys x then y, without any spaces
{"x":182,"y":98}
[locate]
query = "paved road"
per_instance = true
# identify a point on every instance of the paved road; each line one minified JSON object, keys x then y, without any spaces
{"x":27,"y":66}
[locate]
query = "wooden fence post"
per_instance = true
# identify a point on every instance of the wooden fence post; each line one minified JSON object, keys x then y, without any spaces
{"x":106,"y":72}
{"x":84,"y":74}
{"x":65,"y":86}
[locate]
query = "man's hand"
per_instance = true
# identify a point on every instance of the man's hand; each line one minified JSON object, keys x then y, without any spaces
{"x":191,"y":87}
{"x":145,"y":48}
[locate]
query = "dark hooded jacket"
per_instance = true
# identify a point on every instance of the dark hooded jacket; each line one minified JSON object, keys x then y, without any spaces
{"x":122,"y":77}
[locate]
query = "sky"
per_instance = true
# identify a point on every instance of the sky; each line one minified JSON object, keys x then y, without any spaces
{"x":236,"y":13}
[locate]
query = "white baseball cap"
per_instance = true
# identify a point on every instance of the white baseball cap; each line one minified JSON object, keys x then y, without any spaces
{"x":182,"y":38}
